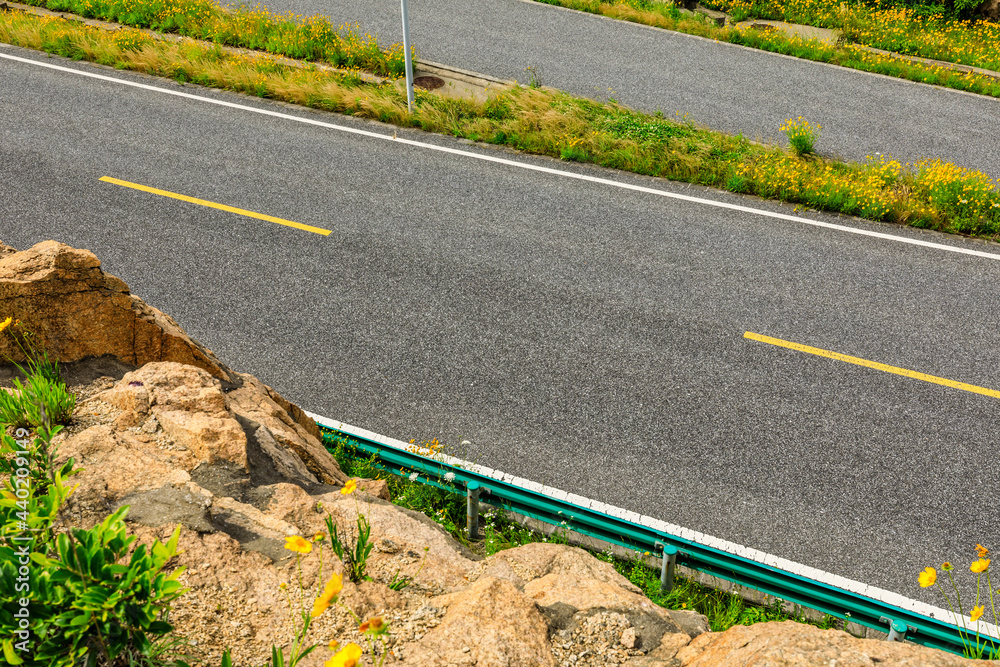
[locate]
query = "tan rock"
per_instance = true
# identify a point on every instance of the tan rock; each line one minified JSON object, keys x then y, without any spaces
{"x":489,"y":625}
{"x":77,"y":311}
{"x":191,"y":407}
{"x":794,"y":644}
{"x":117,"y":463}
{"x":408,"y":544}
{"x":378,"y":488}
{"x":583,"y":593}
{"x":289,"y":426}
{"x":6,"y":249}
{"x":209,"y":438}
{"x":188,"y":404}
{"x":535,"y":560}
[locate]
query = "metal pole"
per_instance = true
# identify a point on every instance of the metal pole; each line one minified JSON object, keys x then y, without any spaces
{"x":669,"y":560}
{"x":472,"y":506}
{"x":897,"y":629}
{"x":406,"y":56}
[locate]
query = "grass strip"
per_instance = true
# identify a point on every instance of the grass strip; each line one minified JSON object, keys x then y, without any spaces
{"x":929,"y":194}
{"x":723,"y":609}
{"x":311,"y":39}
{"x":849,"y":55}
{"x":915,"y":31}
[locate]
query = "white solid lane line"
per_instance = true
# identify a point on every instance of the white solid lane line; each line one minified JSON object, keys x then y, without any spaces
{"x":513,"y":163}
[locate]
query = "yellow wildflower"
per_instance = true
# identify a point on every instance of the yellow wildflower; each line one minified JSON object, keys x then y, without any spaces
{"x":977,"y":612}
{"x":927,"y":577}
{"x":981,"y":551}
{"x":5,"y":324}
{"x":319,"y":536}
{"x":349,"y":656}
{"x":328,"y":596}
{"x":374,"y":626}
{"x":980,"y":565}
{"x":298,"y":544}
{"x":946,"y":566}
{"x":349,"y":487}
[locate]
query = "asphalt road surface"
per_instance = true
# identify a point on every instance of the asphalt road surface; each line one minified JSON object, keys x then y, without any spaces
{"x":725,"y":87}
{"x":577,"y":334}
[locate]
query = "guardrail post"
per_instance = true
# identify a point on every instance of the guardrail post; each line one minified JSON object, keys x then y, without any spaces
{"x":897,"y":629}
{"x":668,"y":561}
{"x":472,"y":491}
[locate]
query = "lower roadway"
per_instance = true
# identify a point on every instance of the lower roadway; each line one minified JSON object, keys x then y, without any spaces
{"x":582,"y":335}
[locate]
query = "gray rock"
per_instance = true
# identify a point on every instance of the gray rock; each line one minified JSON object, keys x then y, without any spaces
{"x":167,"y":505}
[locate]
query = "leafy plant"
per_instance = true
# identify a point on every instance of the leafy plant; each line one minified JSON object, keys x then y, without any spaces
{"x":23,"y":406}
{"x":534,"y":76}
{"x":352,"y":550}
{"x":43,"y":392}
{"x":88,"y":601}
{"x":802,"y":135}
{"x":12,"y":409}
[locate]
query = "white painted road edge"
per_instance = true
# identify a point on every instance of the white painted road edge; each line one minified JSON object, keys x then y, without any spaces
{"x":511,"y":163}
{"x":659,"y":526}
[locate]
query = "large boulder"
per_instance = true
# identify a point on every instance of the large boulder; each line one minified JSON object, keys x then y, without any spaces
{"x":77,"y":311}
{"x":240,"y":474}
{"x":791,"y":644}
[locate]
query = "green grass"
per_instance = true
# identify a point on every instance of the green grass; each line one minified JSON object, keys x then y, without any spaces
{"x":447,"y":508}
{"x":313,"y":38}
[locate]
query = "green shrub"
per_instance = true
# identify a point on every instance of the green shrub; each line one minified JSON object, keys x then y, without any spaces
{"x":73,"y":597}
{"x":90,"y":601}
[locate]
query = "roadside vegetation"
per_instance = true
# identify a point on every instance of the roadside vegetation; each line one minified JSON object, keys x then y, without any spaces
{"x":91,"y":597}
{"x":310,"y":39}
{"x":927,"y":30}
{"x":498,"y":532}
{"x":930,"y":33}
{"x":929,"y":194}
{"x":974,"y":639}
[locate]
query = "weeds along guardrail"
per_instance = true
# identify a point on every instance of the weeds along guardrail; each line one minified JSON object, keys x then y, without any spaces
{"x":837,"y":596}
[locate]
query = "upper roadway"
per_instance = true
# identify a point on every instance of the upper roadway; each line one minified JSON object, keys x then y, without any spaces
{"x":575,"y":333}
{"x":722,"y":86}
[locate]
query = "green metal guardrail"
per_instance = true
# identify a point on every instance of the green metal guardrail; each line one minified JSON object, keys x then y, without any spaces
{"x":823,"y":597}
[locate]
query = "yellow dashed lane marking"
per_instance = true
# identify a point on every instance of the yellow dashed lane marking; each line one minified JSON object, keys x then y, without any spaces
{"x":872,"y":364}
{"x":221,"y":207}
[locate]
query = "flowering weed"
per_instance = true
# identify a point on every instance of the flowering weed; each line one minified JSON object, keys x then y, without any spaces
{"x":291,"y":35}
{"x":802,"y":135}
{"x":974,"y":644}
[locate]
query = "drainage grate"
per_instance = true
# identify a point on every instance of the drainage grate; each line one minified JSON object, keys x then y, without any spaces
{"x":428,"y":82}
